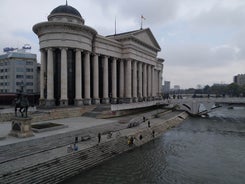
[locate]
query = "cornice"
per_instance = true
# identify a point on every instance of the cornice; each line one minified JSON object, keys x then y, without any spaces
{"x":75,"y":26}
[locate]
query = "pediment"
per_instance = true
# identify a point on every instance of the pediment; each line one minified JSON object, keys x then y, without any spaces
{"x":147,"y":37}
{"x":144,"y":36}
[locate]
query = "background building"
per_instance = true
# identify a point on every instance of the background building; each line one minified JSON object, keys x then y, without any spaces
{"x":239,"y":79}
{"x":81,"y":67}
{"x":18,"y":68}
{"x":166,"y":87}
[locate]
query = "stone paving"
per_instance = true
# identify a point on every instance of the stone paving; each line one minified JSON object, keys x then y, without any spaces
{"x":17,"y":153}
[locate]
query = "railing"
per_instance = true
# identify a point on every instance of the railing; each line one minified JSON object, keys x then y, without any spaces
{"x":190,"y":104}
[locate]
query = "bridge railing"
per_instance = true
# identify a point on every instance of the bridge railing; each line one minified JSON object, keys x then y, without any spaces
{"x":193,"y":103}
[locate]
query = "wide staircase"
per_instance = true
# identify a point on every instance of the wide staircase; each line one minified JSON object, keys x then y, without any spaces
{"x":98,"y":111}
{"x":61,"y":168}
{"x":22,"y":149}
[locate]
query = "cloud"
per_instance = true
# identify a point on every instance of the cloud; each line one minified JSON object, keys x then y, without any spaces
{"x":201,"y":41}
{"x":221,"y":15}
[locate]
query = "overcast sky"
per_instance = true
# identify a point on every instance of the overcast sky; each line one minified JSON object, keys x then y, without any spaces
{"x":202,"y":42}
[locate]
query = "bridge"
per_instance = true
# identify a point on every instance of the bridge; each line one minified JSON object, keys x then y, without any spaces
{"x":194,"y":106}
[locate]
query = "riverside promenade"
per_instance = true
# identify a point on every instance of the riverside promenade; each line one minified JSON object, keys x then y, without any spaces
{"x":44,"y":158}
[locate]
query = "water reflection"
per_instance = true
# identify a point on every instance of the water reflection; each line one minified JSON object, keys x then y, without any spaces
{"x":201,"y":150}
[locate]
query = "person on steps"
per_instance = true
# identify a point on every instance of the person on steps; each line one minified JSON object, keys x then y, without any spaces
{"x":99,"y":137}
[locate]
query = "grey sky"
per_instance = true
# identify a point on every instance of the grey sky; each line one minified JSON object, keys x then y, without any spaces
{"x":203,"y":42}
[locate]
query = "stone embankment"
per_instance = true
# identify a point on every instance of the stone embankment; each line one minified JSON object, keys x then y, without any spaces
{"x":52,"y":164}
{"x":48,"y":114}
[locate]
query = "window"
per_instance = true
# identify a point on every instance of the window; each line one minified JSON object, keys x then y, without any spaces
{"x":18,"y":83}
{"x":29,"y":63}
{"x":20,"y":69}
{"x":29,"y":77}
{"x":20,"y":63}
{"x":29,"y":70}
{"x":29,"y":83}
{"x":19,"y":76}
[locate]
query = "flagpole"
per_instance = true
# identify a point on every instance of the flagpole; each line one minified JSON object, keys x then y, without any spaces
{"x":141,"y":22}
{"x":115,"y":25}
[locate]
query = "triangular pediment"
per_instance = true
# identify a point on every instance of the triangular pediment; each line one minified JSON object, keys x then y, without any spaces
{"x":146,"y":36}
{"x":143,"y":35}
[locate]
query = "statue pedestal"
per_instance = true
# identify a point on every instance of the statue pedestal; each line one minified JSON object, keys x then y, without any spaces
{"x":21,"y":127}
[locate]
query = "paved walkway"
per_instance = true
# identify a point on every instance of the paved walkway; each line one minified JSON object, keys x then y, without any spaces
{"x":73,"y":124}
{"x":16,"y":153}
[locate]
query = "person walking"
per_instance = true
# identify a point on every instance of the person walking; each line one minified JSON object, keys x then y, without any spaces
{"x":99,"y":137}
{"x":153,"y":134}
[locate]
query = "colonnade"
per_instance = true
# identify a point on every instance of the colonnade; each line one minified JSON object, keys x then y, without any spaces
{"x":131,"y":80}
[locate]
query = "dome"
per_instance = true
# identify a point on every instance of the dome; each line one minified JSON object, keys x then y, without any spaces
{"x":66,"y":9}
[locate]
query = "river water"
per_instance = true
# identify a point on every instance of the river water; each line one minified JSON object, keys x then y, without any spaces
{"x":199,"y":151}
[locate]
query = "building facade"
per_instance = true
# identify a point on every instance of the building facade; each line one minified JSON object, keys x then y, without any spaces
{"x":81,"y":67}
{"x":18,"y":68}
{"x":166,"y":87}
{"x":239,"y":79}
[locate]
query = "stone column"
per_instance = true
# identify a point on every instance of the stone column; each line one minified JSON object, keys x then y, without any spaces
{"x":156,"y":83}
{"x":114,"y":81}
{"x":50,"y":79}
{"x":78,"y":70}
{"x":128,"y":83}
{"x":87,"y":98}
{"x":144,"y":81}
{"x":96,"y":99}
{"x":160,"y":83}
{"x":121,"y":85}
{"x":153,"y":94}
{"x":135,"y":99}
{"x":140,"y":92}
{"x":63,"y":96}
{"x":149,"y":82}
{"x":42,"y":76}
{"x":105,"y":99}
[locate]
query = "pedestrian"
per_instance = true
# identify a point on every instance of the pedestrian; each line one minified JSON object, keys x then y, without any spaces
{"x":75,"y":148}
{"x":153,"y":134}
{"x":143,"y":118}
{"x":149,"y":124}
{"x":76,"y":139}
{"x":69,"y":149}
{"x":99,"y":137}
{"x":130,"y":141}
{"x":141,"y":137}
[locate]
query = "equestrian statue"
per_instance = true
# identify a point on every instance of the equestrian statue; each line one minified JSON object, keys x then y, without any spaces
{"x":21,"y":103}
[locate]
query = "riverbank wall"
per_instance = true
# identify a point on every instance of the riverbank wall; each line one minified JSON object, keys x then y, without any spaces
{"x":63,"y":167}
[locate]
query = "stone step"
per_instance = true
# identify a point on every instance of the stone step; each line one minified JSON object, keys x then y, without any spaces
{"x":22,"y":149}
{"x":97,"y":154}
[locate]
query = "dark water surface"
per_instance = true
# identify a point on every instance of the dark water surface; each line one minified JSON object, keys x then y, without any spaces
{"x":201,"y":150}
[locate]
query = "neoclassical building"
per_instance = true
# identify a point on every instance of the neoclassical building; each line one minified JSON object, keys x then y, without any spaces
{"x":81,"y":67}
